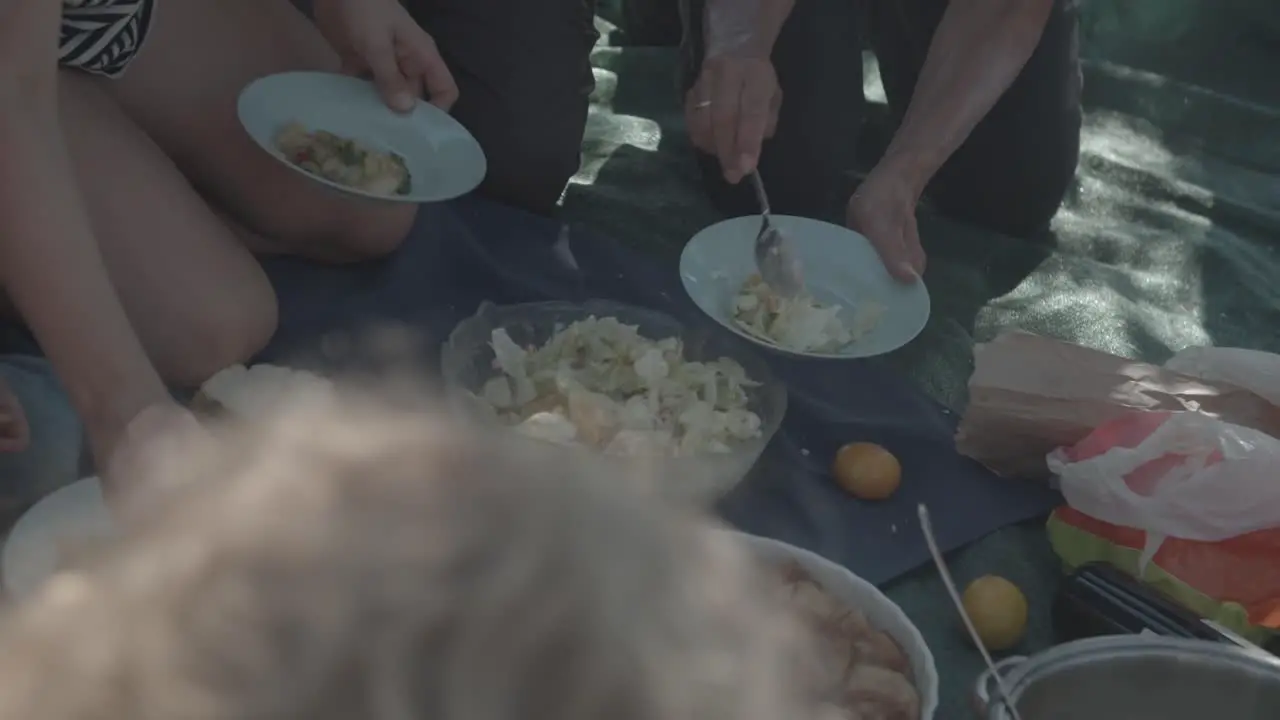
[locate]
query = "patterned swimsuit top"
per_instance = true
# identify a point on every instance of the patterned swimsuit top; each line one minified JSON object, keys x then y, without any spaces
{"x":102,"y":36}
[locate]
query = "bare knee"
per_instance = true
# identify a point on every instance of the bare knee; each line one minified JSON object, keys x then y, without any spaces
{"x":197,"y":299}
{"x":216,"y":335}
{"x":374,"y":231}
{"x":342,"y":231}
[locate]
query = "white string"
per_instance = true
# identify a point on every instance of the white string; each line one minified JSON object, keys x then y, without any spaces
{"x":1006,"y":698}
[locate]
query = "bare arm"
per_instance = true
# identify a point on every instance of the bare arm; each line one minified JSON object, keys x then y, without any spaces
{"x":978,"y":50}
{"x":50,"y":265}
{"x":746,"y":26}
{"x":733,"y":106}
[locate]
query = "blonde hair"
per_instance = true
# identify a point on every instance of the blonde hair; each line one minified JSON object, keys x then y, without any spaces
{"x":384,"y":564}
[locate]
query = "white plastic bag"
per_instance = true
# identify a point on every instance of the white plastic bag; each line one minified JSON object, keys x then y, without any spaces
{"x":1226,"y":484}
{"x":1252,"y":370}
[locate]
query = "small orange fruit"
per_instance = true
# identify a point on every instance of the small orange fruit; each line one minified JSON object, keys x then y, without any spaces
{"x":867,"y":471}
{"x":998,"y":610}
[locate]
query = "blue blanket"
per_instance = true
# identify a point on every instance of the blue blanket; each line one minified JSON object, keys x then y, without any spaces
{"x":468,"y":251}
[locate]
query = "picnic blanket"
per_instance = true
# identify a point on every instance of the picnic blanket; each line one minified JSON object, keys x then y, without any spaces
{"x":1170,"y":238}
{"x":463,"y":253}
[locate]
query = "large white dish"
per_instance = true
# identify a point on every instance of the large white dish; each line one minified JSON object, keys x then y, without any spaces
{"x":840,"y":267}
{"x":31,"y":553}
{"x":443,"y":158}
{"x":77,"y":511}
{"x":883,"y":613}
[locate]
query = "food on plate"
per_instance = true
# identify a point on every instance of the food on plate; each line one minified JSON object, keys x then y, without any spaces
{"x":859,"y":670}
{"x":867,"y":471}
{"x":998,"y":610}
{"x":250,"y":392}
{"x":343,"y":160}
{"x":600,"y":383}
{"x":799,"y":323}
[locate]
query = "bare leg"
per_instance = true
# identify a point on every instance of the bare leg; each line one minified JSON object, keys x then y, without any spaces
{"x":197,"y":299}
{"x":182,"y":90}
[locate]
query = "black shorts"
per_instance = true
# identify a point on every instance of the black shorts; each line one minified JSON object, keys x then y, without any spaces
{"x":1011,"y":173}
{"x":102,"y":36}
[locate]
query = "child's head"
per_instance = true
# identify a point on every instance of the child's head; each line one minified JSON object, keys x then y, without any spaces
{"x":382,"y":564}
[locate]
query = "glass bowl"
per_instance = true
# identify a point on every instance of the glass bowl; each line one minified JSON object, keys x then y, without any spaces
{"x":466,"y":363}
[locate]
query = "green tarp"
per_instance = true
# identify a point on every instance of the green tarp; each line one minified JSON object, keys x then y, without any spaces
{"x":1169,"y":240}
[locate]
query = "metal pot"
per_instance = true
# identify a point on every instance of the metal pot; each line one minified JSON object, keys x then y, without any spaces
{"x":1135,"y":677}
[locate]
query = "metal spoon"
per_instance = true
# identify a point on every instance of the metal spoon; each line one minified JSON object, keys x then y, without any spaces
{"x":927,"y":528}
{"x":778,"y":268}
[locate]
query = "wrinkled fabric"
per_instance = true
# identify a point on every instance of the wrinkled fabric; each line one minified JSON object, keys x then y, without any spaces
{"x":469,"y":251}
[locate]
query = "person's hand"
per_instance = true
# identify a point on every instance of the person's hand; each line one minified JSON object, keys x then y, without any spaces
{"x":884,"y":210}
{"x":152,"y":455}
{"x":732,"y":109}
{"x":14,"y":431}
{"x":378,"y":37}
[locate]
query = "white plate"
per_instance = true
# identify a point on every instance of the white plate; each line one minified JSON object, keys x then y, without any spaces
{"x":31,"y":552}
{"x":883,"y":613}
{"x":840,"y":268}
{"x":78,"y":511}
{"x":443,"y":158}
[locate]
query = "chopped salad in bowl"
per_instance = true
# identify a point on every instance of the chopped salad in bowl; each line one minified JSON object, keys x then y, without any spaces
{"x":620,"y":381}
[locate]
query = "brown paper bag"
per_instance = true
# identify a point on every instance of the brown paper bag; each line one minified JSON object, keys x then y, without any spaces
{"x":1030,"y":394}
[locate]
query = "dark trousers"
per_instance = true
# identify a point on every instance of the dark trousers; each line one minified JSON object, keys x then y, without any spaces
{"x":524,"y":78}
{"x":1010,"y":175}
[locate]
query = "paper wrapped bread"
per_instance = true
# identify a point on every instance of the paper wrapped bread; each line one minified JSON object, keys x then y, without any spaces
{"x":250,"y":392}
{"x":1030,"y":395}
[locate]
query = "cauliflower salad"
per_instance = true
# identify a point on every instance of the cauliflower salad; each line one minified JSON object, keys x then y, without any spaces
{"x":600,"y":383}
{"x":799,"y":323}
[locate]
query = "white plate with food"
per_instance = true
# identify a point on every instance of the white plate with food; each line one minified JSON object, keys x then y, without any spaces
{"x":337,"y":131}
{"x":57,"y":532}
{"x":851,"y":306}
{"x":875,"y":662}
